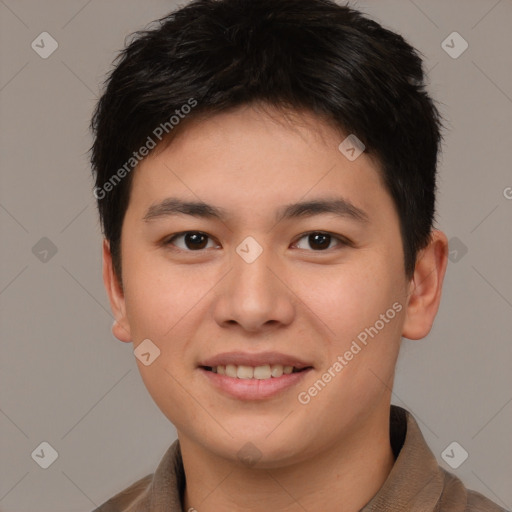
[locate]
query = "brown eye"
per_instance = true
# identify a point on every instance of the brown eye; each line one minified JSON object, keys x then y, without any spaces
{"x":319,"y":241}
{"x":192,"y":240}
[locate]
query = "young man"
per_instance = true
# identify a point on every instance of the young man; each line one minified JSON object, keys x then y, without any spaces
{"x":265,"y":176}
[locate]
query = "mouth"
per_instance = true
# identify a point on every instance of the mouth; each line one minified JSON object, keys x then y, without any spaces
{"x":249,"y":377}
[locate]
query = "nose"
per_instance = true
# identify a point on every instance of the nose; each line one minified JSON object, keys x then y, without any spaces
{"x":255,"y":295}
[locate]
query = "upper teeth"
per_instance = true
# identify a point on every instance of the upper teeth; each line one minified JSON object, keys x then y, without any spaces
{"x":265,"y":371}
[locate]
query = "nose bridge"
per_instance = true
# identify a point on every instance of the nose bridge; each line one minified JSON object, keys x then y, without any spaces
{"x":252,"y":295}
{"x":252,"y":281}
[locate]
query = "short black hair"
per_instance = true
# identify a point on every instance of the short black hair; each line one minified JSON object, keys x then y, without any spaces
{"x":331,"y":60}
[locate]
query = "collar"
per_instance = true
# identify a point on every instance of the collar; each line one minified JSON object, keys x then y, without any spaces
{"x":415,"y":482}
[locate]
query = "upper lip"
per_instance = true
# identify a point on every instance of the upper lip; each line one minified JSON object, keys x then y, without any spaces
{"x":254,"y":359}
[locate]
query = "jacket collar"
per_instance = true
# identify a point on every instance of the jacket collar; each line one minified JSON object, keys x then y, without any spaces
{"x":415,"y":482}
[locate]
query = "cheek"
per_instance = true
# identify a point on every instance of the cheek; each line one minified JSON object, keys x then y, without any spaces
{"x":165,"y":303}
{"x":361,"y":346}
{"x":153,"y":297}
{"x":350,"y":301}
{"x":347,"y":299}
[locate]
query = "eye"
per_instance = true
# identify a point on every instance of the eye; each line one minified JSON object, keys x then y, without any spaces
{"x":192,"y":240}
{"x":321,"y":241}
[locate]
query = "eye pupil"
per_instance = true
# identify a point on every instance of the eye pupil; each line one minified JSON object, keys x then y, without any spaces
{"x":319,"y":240}
{"x":196,"y":240}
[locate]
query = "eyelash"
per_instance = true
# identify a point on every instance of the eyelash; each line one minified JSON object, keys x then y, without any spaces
{"x":342,"y":241}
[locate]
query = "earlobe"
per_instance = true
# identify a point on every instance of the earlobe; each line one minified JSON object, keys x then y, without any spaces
{"x":120,"y":327}
{"x":121,"y":332}
{"x":426,"y":287}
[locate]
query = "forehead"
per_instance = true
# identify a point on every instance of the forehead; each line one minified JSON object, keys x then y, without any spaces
{"x":303,"y":132}
{"x":255,"y":156}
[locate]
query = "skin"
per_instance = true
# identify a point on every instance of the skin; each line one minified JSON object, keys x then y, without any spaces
{"x":294,"y":298}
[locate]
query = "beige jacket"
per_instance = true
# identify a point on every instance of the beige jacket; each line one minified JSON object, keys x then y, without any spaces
{"x":416,"y":482}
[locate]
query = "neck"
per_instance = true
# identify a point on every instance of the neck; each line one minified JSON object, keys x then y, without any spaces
{"x":342,"y":478}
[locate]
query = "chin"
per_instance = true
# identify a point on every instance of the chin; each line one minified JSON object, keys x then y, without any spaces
{"x":254,"y":448}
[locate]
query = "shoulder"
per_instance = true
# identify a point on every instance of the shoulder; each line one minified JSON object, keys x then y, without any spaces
{"x":163,"y":487}
{"x":131,"y":497}
{"x":455,"y":496}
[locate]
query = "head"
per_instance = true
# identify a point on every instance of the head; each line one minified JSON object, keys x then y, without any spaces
{"x":265,"y":176}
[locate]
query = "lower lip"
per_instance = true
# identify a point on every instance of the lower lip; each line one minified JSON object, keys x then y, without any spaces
{"x":253,"y":389}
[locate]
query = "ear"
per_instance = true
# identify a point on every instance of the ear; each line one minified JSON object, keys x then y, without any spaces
{"x":121,"y":327}
{"x":425,"y":287}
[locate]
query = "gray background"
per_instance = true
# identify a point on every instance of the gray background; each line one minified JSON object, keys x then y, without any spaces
{"x":66,"y":380}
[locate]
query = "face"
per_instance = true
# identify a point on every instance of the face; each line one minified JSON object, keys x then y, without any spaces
{"x":294,"y":259}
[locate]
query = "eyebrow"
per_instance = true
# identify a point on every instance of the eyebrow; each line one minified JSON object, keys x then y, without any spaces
{"x":337,"y":206}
